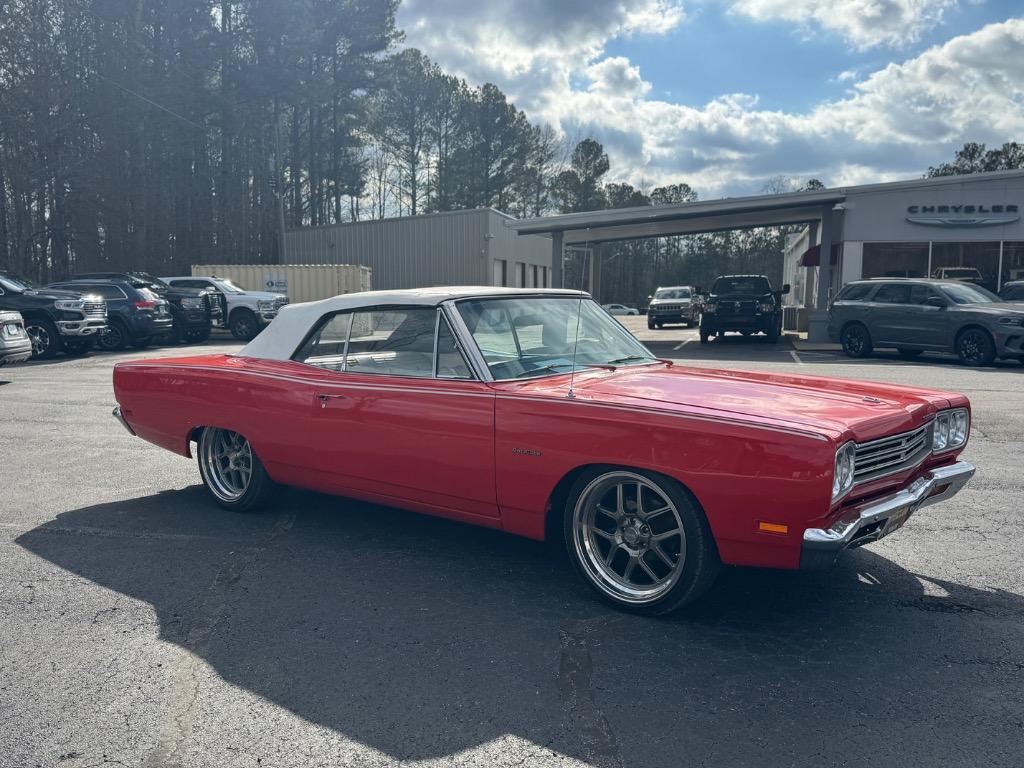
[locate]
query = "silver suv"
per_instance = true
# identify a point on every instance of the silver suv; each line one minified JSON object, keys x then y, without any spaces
{"x":915,"y":316}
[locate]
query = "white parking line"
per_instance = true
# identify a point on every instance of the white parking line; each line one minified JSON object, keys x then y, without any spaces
{"x":681,"y":345}
{"x":796,"y":357}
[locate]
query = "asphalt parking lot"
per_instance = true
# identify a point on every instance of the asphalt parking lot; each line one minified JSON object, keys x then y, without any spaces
{"x":142,"y":626}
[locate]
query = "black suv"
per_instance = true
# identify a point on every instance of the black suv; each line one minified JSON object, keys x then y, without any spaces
{"x":193,"y":311}
{"x":743,"y":303}
{"x":55,"y":320}
{"x":1013,"y":291}
{"x":136,"y":316}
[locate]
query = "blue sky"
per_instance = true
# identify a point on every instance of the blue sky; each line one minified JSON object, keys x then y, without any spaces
{"x":789,"y":68}
{"x":728,"y":95}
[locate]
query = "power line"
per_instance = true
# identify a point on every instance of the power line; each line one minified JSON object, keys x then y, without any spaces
{"x":168,"y":110}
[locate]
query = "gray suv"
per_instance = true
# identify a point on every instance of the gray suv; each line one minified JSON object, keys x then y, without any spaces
{"x":915,"y":316}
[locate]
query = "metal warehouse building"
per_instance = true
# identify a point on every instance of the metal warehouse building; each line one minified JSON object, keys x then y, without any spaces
{"x":453,"y":248}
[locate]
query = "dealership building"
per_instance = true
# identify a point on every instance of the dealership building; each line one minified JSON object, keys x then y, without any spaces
{"x":896,"y":229}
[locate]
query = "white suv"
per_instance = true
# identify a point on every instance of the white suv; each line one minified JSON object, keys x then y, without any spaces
{"x":245,"y":313}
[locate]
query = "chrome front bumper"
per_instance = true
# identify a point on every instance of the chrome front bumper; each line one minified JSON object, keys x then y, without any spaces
{"x":880,"y":517}
{"x":84,"y":327}
{"x":120,"y":417}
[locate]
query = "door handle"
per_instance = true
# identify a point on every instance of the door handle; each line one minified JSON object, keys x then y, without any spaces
{"x":323,"y":398}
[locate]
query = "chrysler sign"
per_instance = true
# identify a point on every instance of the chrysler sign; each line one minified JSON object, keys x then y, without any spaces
{"x":962,"y":215}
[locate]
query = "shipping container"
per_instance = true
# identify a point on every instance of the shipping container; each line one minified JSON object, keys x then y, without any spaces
{"x":299,"y":282}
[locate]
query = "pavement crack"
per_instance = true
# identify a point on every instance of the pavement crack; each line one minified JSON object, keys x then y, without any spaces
{"x":575,"y":684}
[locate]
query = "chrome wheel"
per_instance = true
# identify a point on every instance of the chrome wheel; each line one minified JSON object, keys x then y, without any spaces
{"x":227,"y":461}
{"x":40,"y":338}
{"x":629,"y":537}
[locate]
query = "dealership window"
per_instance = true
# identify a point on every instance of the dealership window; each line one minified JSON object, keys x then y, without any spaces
{"x":895,"y":260}
{"x":976,"y":262}
{"x":543,"y":277}
{"x":520,"y":275}
{"x":534,"y":270}
{"x":1013,"y":261}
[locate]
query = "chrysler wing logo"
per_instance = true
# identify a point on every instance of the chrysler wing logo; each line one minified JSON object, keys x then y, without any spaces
{"x":963,"y":215}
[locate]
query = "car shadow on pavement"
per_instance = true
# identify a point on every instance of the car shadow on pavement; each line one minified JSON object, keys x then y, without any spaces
{"x":423,"y":638}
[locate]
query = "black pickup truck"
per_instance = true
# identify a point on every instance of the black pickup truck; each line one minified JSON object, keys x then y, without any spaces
{"x":742,"y":303}
{"x":193,"y":310}
{"x":55,"y":320}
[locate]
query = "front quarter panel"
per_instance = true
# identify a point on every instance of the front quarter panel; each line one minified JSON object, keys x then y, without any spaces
{"x":739,"y":473}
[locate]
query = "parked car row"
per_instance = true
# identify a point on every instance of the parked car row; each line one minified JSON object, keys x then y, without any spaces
{"x":114,"y":310}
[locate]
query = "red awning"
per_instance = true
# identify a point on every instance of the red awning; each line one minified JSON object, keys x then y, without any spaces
{"x":812,"y":256}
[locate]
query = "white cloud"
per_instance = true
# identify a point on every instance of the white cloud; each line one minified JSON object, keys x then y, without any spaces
{"x":865,"y":23}
{"x":894,"y":122}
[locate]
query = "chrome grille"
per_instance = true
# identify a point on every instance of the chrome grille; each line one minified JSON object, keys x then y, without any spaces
{"x":892,"y":454}
{"x":95,"y":309}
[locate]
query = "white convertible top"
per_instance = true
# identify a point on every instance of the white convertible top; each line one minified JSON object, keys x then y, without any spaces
{"x":282,"y":337}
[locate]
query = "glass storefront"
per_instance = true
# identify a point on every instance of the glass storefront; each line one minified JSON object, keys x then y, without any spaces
{"x":895,"y":260}
{"x":953,"y":260}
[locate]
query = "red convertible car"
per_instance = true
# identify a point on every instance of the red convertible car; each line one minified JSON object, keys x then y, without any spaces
{"x":536,"y":412}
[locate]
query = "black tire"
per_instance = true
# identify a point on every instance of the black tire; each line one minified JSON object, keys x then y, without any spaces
{"x":196,"y":335}
{"x":650,"y":326}
{"x":773,"y":335}
{"x":908,"y":354}
{"x":257,"y":488}
{"x":680,"y":584}
{"x":78,"y":347}
{"x":46,"y":341}
{"x":704,"y":336}
{"x":244,"y":325}
{"x":856,"y":341}
{"x":974,"y":346}
{"x":115,"y":338}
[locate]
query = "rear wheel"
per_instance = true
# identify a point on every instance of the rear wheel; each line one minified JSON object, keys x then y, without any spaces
{"x":114,"y":338}
{"x":639,"y":540}
{"x":975,"y":347}
{"x":44,"y":337}
{"x":856,"y":340}
{"x":231,"y":470}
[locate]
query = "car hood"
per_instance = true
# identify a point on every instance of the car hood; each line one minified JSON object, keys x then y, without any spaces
{"x":839,"y":408}
{"x":739,"y":296}
{"x":656,"y":302}
{"x":56,"y":294}
{"x":261,"y":295}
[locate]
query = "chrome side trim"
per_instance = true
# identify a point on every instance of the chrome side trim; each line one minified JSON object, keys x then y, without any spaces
{"x":117,"y":415}
{"x":874,"y":519}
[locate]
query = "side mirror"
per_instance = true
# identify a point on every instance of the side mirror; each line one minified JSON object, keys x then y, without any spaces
{"x":650,"y":297}
{"x":935,"y":301}
{"x":785,"y":289}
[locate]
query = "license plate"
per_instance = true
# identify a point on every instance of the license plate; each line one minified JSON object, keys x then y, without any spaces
{"x":897,"y":519}
{"x":13,"y":330}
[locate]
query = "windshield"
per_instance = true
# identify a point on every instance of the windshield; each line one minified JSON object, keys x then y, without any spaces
{"x":524,"y":337}
{"x":962,"y":272}
{"x":750,"y":285}
{"x":12,"y":283}
{"x":673,"y":293}
{"x":152,"y":282}
{"x":966,"y":293}
{"x":226,"y":285}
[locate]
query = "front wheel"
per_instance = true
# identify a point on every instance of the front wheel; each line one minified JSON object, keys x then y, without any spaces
{"x":975,"y":347}
{"x":243,"y":325}
{"x":704,"y":336}
{"x":231,"y":470}
{"x":639,"y":540}
{"x":44,"y":337}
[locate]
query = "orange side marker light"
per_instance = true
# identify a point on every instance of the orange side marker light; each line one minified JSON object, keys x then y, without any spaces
{"x":772,"y":527}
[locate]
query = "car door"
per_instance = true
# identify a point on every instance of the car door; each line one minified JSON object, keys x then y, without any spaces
{"x":889,"y":314}
{"x":927,"y":326}
{"x":401,"y":417}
